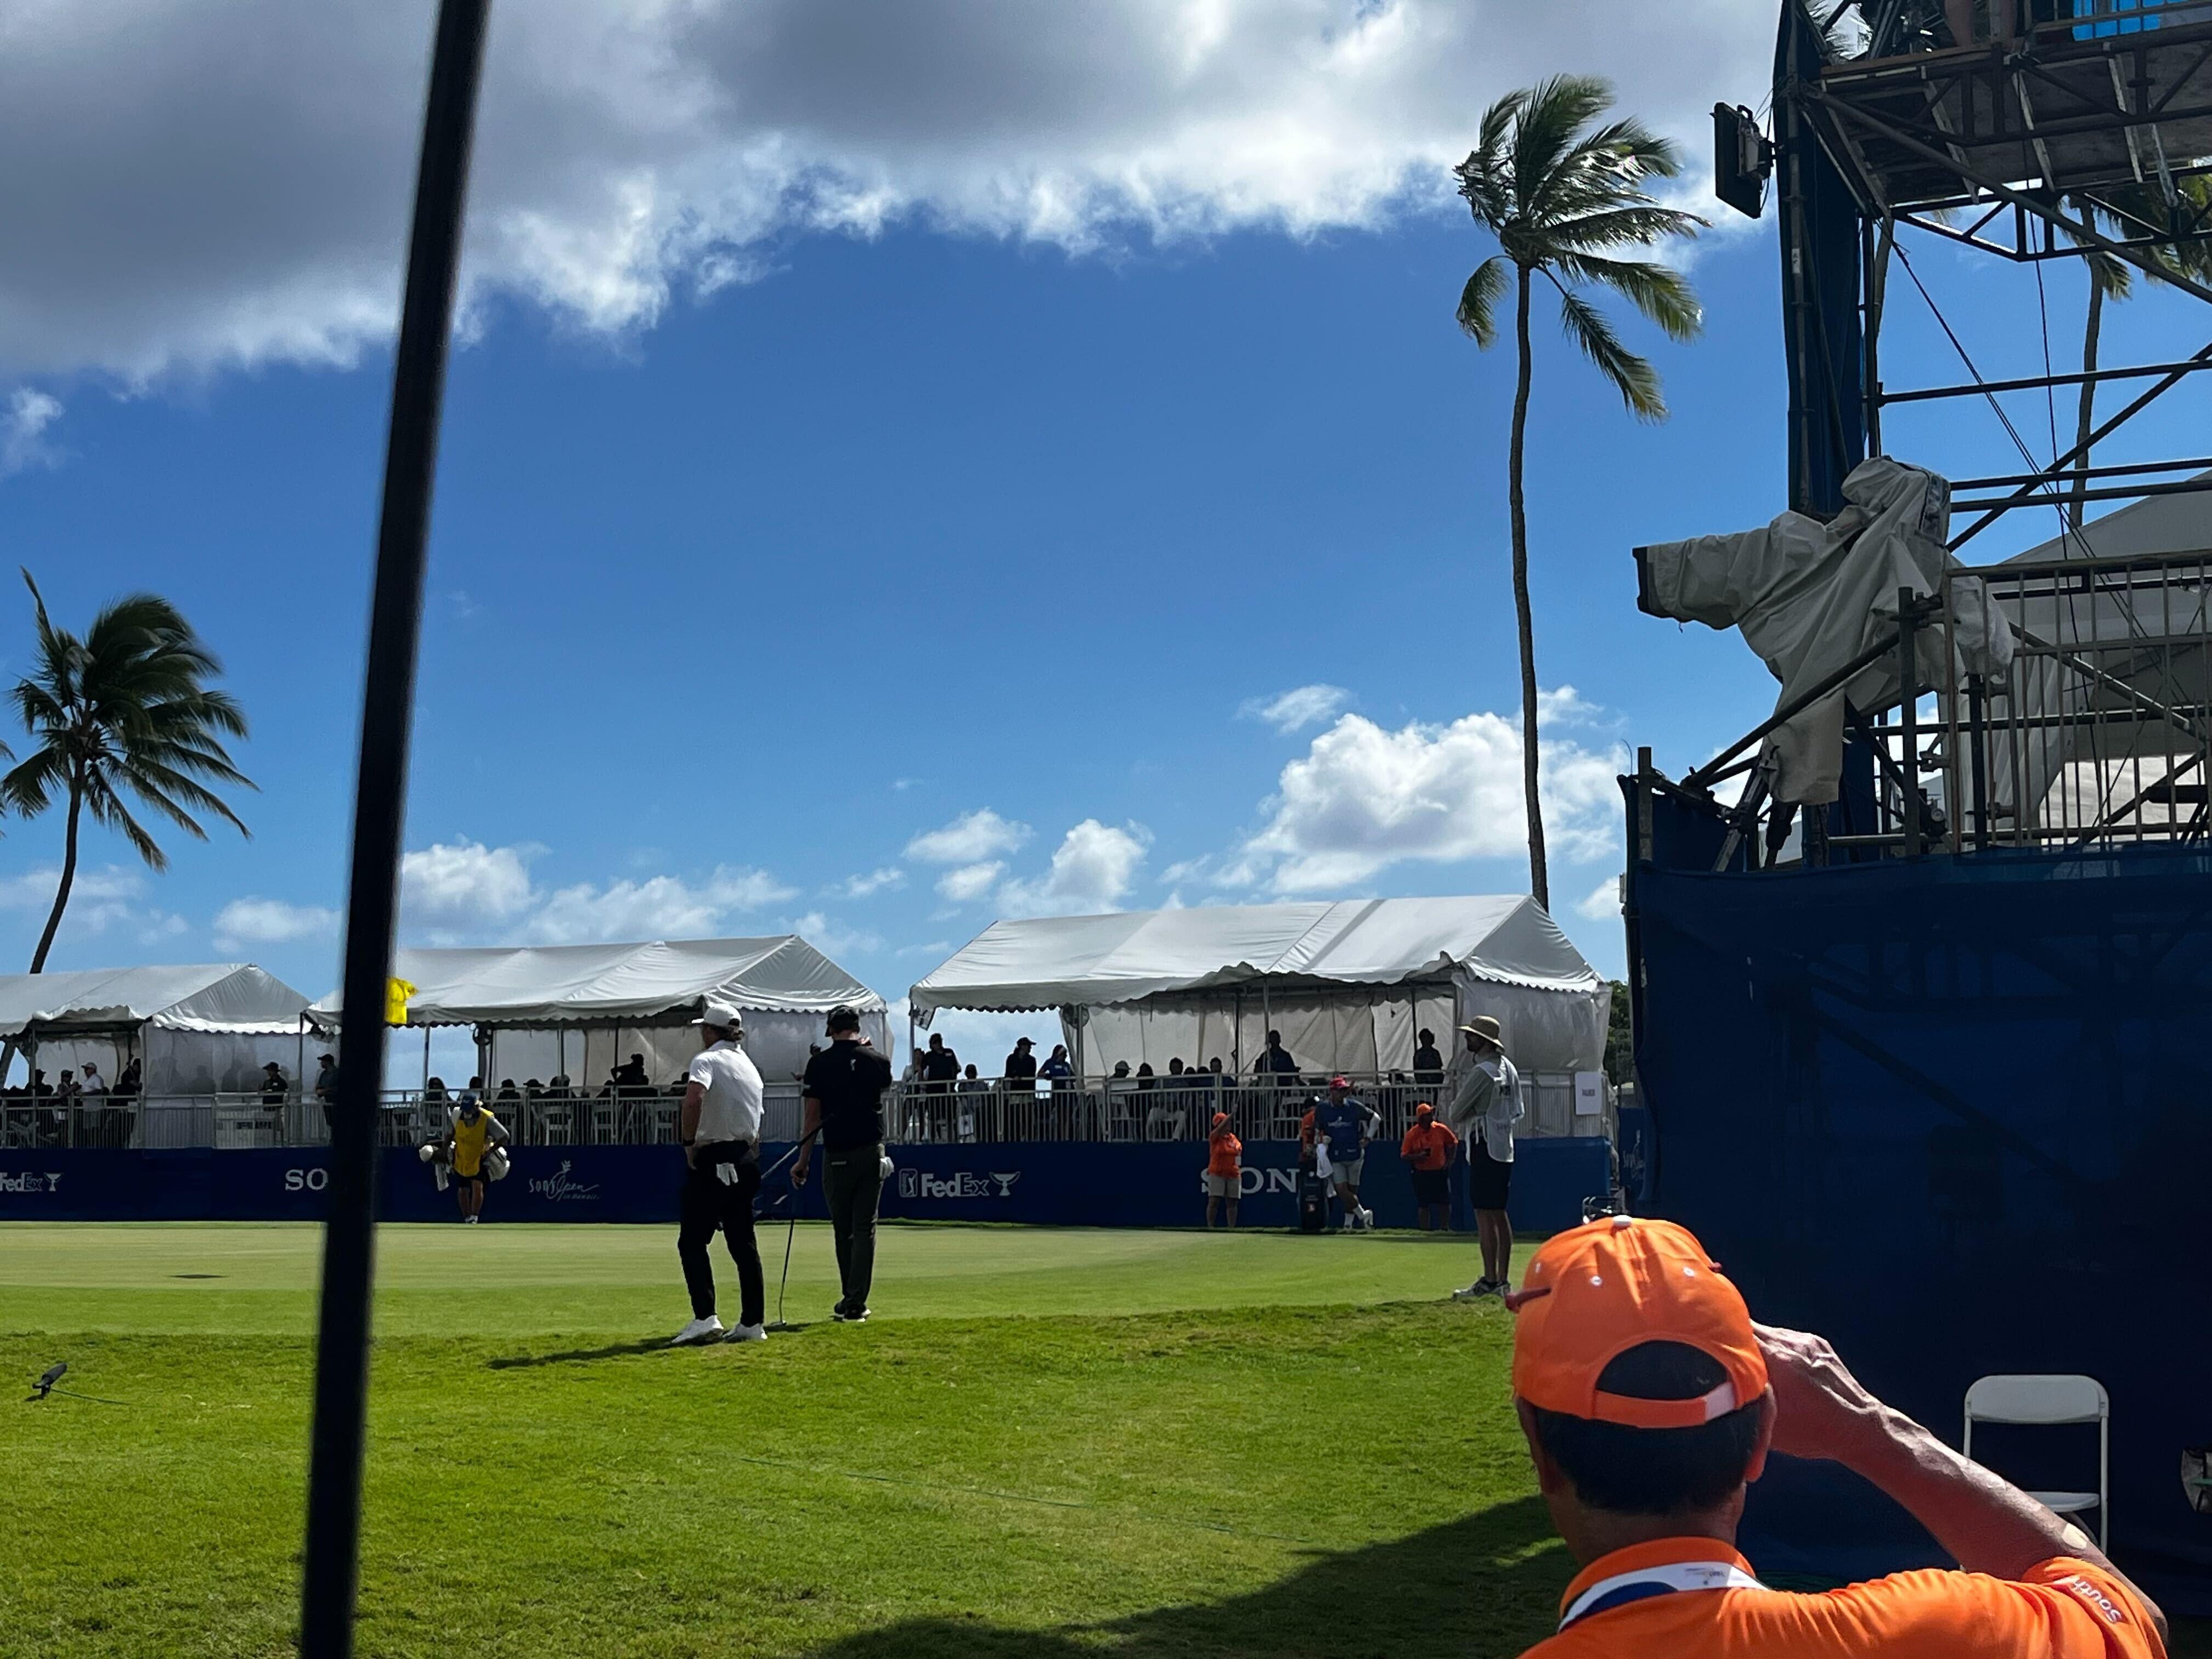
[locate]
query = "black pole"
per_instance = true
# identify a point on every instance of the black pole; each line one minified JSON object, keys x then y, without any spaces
{"x":379,"y":806}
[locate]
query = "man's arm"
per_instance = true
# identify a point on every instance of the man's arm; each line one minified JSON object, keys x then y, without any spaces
{"x":1983,"y":1522}
{"x":807,"y":1131}
{"x":695,"y":1097}
{"x":1470,"y":1097}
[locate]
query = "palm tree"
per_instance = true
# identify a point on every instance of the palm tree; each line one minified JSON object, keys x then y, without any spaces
{"x":1563,"y":197}
{"x":2126,"y":210}
{"x":125,"y":710}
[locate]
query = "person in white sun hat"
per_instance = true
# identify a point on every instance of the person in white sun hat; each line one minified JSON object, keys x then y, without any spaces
{"x":720,"y":1131}
{"x":1486,"y":1105}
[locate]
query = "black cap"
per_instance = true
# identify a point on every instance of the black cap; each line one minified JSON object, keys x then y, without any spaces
{"x":844,"y":1018}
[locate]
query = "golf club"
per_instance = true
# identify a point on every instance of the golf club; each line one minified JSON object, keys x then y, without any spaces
{"x":790,"y":1232}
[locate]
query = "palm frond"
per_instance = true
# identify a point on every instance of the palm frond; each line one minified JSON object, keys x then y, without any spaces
{"x":1636,"y":380}
{"x":1660,"y":291}
{"x":1622,"y":227}
{"x":30,"y":788}
{"x":1477,"y":300}
{"x":107,"y":809}
{"x":1544,"y":131}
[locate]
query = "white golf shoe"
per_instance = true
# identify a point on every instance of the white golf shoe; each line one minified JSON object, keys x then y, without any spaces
{"x":708,"y":1329}
{"x":747,"y":1333}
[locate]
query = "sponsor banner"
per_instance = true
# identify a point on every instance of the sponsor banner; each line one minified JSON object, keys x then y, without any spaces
{"x":1058,"y":1183}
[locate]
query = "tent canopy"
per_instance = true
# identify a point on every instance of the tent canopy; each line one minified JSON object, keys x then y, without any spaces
{"x":228,"y":997}
{"x":1095,"y":961}
{"x":597,"y":984}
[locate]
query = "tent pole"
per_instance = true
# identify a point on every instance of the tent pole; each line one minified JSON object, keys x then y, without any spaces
{"x":426,"y":1060}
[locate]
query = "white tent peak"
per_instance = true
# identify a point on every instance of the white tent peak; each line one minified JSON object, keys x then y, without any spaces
{"x":1049,"y":962}
{"x":562,"y":984}
{"x":228,"y":996}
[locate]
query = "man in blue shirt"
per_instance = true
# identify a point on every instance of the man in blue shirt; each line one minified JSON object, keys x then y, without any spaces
{"x":1343,"y":1125}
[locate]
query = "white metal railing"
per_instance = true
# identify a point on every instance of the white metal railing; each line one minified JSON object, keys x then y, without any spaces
{"x":915,"y":1113}
{"x":978,"y":1110}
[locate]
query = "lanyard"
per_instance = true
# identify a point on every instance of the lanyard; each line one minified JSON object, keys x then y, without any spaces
{"x":1665,"y":1580}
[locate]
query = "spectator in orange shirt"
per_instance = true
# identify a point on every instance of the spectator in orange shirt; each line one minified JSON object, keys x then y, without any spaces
{"x":1427,"y":1149}
{"x":1649,"y":1401}
{"x":1224,"y":1172}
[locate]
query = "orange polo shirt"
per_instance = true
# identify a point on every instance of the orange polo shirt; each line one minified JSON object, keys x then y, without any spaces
{"x":2063,"y":1608}
{"x":1428,"y":1145}
{"x":1222,"y":1153}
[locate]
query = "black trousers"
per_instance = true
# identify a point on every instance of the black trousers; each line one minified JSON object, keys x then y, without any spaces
{"x":718,"y":1197}
{"x":854,"y":1182}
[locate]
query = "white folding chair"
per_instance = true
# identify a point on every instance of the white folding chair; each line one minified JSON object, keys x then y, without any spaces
{"x":2045,"y":1400}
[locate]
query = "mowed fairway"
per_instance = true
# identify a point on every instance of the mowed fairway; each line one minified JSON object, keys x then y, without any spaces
{"x":1047,"y":1443}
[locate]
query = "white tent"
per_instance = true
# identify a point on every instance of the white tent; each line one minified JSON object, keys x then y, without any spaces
{"x":580,"y":1010}
{"x":198,"y":1030}
{"x":1347,"y":984}
{"x":2147,"y":636}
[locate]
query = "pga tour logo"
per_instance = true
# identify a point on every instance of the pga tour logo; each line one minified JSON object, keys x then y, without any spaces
{"x":919,"y":1184}
{"x":557,"y":1188}
{"x":30,"y":1182}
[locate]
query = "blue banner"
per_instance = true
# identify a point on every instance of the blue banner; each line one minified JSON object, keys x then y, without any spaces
{"x":1054,"y":1183}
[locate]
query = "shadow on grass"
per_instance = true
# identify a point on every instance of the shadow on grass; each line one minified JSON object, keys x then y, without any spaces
{"x":578,"y":1355}
{"x":1487,"y":1585}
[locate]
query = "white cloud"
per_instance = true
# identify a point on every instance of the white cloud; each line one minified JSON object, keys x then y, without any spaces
{"x":970,"y":881}
{"x":99,"y":899}
{"x":24,"y":419}
{"x":1363,"y":798}
{"x":888,"y":879}
{"x":249,"y":922}
{"x":469,"y":893}
{"x":1294,"y":710}
{"x":968,"y":839}
{"x":1603,"y":904}
{"x":1567,"y":707}
{"x":1091,"y":871}
{"x":664,"y":906}
{"x":465,"y":883}
{"x":634,"y":151}
{"x":834,"y":938}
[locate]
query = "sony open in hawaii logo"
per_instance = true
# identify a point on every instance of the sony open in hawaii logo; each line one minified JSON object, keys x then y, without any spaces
{"x":919,"y":1184}
{"x":557,"y":1188}
{"x":30,"y":1182}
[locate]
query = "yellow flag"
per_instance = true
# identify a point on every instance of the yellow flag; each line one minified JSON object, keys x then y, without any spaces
{"x":396,"y":993}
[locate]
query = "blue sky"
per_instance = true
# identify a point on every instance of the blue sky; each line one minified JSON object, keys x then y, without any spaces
{"x":902,"y":571}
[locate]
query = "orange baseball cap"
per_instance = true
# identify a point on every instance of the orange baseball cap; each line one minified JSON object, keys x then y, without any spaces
{"x":1600,"y":1289}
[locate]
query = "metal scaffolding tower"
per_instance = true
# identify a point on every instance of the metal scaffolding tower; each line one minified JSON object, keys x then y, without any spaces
{"x":2075,"y":125}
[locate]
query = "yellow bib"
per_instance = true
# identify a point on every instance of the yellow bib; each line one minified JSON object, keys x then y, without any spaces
{"x":469,"y":1140}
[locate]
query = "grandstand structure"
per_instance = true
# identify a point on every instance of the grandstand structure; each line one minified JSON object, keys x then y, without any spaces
{"x":1934,"y":1022}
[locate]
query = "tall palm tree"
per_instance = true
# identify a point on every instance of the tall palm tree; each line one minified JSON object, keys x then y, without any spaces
{"x":1563,"y":197}
{"x":125,"y":711}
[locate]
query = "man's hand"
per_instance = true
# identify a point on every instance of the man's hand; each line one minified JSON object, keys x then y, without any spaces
{"x":1820,"y":1409}
{"x":798,"y":1173}
{"x":691,"y":1156}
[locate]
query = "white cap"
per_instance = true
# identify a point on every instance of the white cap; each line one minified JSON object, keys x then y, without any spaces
{"x":724,"y":1014}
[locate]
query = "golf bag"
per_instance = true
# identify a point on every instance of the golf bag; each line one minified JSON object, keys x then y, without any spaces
{"x":1313,"y":1202}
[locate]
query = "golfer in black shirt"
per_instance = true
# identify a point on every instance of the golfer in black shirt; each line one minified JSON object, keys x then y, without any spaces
{"x":844,"y":1091}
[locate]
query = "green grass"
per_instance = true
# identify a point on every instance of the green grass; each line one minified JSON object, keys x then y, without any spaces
{"x":1047,"y":1445}
{"x":1052,"y":1443}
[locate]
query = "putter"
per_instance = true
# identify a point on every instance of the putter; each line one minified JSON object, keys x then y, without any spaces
{"x":790,"y":1232}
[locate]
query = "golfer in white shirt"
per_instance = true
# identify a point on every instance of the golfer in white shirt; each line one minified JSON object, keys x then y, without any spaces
{"x":720,"y":1132}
